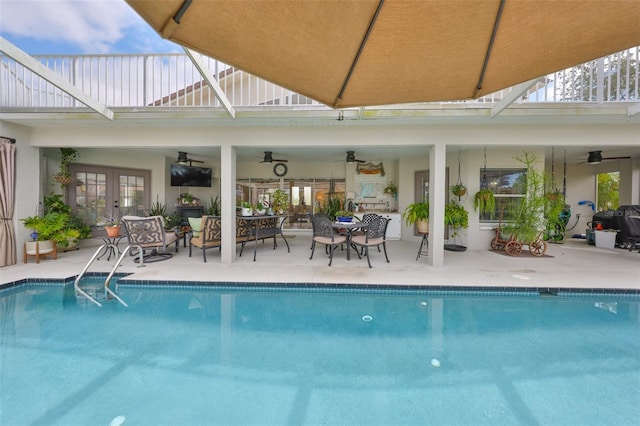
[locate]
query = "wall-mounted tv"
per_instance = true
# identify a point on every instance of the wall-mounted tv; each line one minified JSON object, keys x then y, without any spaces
{"x":190,"y":175}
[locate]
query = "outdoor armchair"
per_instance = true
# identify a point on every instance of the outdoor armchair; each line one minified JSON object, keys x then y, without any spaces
{"x":209,"y":235}
{"x":148,"y":234}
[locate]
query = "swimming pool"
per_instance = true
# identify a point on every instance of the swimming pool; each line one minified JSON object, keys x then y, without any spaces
{"x":185,"y":355}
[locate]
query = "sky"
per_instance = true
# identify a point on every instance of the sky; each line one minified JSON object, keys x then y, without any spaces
{"x":75,"y":27}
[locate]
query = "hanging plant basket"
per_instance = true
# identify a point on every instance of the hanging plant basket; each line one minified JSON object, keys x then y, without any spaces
{"x":458,"y":190}
{"x":63,"y":180}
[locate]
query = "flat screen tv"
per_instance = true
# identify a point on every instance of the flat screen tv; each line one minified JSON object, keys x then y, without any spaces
{"x":190,"y":175}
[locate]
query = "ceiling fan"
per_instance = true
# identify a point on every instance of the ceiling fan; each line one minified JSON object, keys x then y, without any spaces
{"x":184,"y":159}
{"x":268,"y":158}
{"x":595,"y":157}
{"x":351,"y":158}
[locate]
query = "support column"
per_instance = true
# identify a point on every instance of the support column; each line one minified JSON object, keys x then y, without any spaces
{"x":437,"y":195}
{"x":228,"y":202}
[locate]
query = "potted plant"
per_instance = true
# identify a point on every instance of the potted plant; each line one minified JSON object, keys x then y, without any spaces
{"x":63,"y":177}
{"x":53,"y":227}
{"x":279,"y":201}
{"x":54,"y":203}
{"x":246,"y":209}
{"x":458,"y":189}
{"x":526,"y":220}
{"x":484,"y":201}
{"x":391,"y":189}
{"x":260,"y":209}
{"x":158,"y":208}
{"x":332,"y":206}
{"x":456,"y":217}
{"x":418,"y":213}
{"x":187,"y":199}
{"x":344,"y":216}
{"x":112,"y":225}
{"x":213,"y":208}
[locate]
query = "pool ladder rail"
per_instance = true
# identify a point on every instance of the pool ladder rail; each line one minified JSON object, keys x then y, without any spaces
{"x":107,"y":290}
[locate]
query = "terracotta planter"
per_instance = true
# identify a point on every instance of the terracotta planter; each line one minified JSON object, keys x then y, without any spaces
{"x":113,"y":231}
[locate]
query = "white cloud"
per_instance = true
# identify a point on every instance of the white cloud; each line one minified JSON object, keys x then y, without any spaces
{"x":95,"y":26}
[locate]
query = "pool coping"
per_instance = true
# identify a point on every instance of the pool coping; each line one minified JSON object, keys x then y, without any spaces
{"x":346,"y":287}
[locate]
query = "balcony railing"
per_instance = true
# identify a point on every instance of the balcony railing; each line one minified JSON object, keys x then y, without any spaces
{"x":171,"y":80}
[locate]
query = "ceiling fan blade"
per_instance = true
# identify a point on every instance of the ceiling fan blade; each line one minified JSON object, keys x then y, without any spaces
{"x":616,"y":158}
{"x":280,"y":161}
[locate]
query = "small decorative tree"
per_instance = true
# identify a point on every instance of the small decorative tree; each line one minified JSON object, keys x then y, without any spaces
{"x":279,"y":201}
{"x":528,"y":220}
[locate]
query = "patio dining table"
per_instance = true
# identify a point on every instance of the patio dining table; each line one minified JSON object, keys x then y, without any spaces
{"x":347,"y":229}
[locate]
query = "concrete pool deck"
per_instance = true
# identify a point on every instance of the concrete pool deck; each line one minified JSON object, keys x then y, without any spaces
{"x":574,"y":264}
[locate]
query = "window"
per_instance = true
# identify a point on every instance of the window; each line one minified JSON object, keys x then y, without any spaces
{"x":608,"y":191}
{"x":509,"y":187}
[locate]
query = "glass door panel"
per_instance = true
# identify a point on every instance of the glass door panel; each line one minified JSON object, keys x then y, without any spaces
{"x":104,"y":191}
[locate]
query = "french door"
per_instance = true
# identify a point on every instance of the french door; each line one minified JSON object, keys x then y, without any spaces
{"x":98,"y":191}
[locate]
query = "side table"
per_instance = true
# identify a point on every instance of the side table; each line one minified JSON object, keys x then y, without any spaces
{"x":424,"y":245}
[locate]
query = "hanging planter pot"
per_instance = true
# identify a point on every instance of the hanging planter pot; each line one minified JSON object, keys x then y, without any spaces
{"x":458,"y":190}
{"x":484,"y":201}
{"x":63,"y":180}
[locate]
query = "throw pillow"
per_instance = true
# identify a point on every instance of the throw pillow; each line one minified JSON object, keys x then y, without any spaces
{"x":196,"y":224}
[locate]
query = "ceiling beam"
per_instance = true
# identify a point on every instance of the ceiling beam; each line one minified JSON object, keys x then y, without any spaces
{"x":206,"y":73}
{"x":634,"y":109}
{"x":36,"y":67}
{"x":515,"y":93}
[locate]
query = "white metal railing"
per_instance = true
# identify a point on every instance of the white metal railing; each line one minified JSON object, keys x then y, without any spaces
{"x":171,"y":80}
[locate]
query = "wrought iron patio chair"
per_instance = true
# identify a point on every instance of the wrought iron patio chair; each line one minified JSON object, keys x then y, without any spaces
{"x":323,"y":233}
{"x":375,"y":236}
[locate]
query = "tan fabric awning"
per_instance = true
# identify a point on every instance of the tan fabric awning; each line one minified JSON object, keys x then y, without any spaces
{"x":374,"y":52}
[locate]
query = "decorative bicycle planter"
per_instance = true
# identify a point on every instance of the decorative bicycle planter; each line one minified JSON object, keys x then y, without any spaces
{"x":513,"y":246}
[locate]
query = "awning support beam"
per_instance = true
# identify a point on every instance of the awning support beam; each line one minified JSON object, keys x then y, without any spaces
{"x":485,"y":64}
{"x":514,"y":94}
{"x":36,"y":67}
{"x":633,"y":110}
{"x":196,"y":58}
{"x":336,"y":102}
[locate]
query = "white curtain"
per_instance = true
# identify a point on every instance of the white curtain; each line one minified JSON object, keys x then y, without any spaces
{"x":7,"y":190}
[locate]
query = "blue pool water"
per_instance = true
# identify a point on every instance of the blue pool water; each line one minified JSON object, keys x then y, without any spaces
{"x":208,"y":356}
